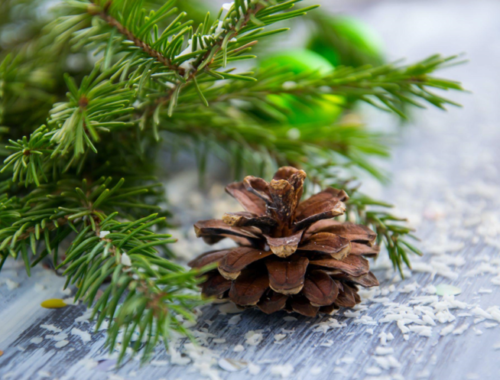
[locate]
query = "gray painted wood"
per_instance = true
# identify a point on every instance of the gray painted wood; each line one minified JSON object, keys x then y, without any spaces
{"x":434,"y":165}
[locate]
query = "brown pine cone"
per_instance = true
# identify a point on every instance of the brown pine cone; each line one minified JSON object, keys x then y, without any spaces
{"x":291,"y":254}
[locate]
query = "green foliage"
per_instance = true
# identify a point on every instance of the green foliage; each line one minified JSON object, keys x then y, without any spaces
{"x":391,"y":230}
{"x":106,"y":253}
{"x":345,"y":41}
{"x":156,"y":291}
{"x":89,"y":97}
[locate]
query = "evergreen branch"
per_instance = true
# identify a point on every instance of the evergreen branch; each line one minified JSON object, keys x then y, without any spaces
{"x":98,"y":105}
{"x":94,"y":107}
{"x":31,"y":69}
{"x":391,"y":230}
{"x":29,"y":162}
{"x":207,"y":50}
{"x":98,"y":102}
{"x":224,"y":37}
{"x":103,"y":250}
{"x":258,"y":13}
{"x":392,"y":85}
{"x":156,"y":291}
{"x":103,"y":12}
{"x":346,"y":145}
{"x":62,"y":204}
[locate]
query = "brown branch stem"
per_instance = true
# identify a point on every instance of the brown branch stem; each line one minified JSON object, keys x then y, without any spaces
{"x":232,"y":34}
{"x":111,"y":21}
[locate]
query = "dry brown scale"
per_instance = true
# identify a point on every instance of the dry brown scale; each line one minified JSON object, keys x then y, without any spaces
{"x":291,"y":254}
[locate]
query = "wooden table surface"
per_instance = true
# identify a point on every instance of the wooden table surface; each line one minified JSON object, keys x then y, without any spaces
{"x":446,"y":179}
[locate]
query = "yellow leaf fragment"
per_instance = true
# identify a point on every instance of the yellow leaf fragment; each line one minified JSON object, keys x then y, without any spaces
{"x":54,"y":303}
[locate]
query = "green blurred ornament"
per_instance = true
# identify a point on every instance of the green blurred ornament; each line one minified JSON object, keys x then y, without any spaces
{"x":346,"y":41}
{"x":323,"y":109}
{"x":298,"y":61}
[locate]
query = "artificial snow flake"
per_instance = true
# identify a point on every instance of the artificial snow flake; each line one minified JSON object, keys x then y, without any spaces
{"x":447,"y":290}
{"x":254,"y":369}
{"x":51,"y":328}
{"x":347,"y":360}
{"x":84,"y":335}
{"x":11,"y":285}
{"x":159,"y":363}
{"x":238,"y":348}
{"x":289,"y":85}
{"x":283,"y":371}
{"x":385,"y":337}
{"x":279,"y":337}
{"x":447,"y":330}
{"x":485,"y":291}
{"x":315,"y":370}
{"x":125,"y":260}
{"x":234,"y":320}
{"x":409,"y":288}
{"x":61,"y":343}
{"x":384,"y":351}
{"x":253,"y":338}
{"x":36,"y":340}
{"x":373,"y":371}
{"x":232,"y":365}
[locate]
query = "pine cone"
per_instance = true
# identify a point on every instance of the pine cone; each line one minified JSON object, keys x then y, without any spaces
{"x":291,"y":255}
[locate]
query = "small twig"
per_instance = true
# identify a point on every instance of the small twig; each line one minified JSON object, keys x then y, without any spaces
{"x":137,"y":41}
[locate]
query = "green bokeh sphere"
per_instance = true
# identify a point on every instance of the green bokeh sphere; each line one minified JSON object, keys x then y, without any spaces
{"x":344,"y":40}
{"x":298,"y":61}
{"x":320,"y":111}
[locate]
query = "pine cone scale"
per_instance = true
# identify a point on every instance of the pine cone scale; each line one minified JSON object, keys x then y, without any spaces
{"x":364,"y":250}
{"x":352,"y":265}
{"x":348,"y":297}
{"x":218,"y":227}
{"x":291,"y":256}
{"x":272,"y":302}
{"x":247,"y":289}
{"x":303,"y":306}
{"x":324,"y":205}
{"x":320,"y":289}
{"x":209,"y":258}
{"x":284,"y":246}
{"x":248,"y":200}
{"x":354,"y":232}
{"x":258,"y":187}
{"x":215,"y":286}
{"x":336,"y":246}
{"x":247,"y":219}
{"x":287,"y":276}
{"x":367,"y":280}
{"x":231,"y":265}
